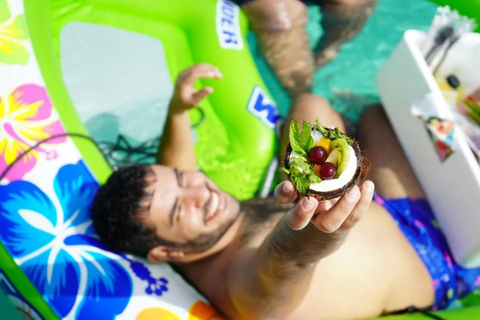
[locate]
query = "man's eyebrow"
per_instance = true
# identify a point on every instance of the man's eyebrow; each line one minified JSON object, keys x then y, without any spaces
{"x":174,"y":208}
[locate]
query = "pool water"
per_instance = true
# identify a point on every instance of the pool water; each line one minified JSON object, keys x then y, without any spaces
{"x":108,"y":102}
{"x":347,"y":82}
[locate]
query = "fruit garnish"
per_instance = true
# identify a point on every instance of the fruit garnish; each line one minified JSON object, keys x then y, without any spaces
{"x":327,"y":171}
{"x":333,"y":157}
{"x":332,"y":134}
{"x":315,"y":170}
{"x":301,"y":171}
{"x":318,"y":155}
{"x":344,"y":154}
{"x":325,"y":143}
{"x":301,"y":141}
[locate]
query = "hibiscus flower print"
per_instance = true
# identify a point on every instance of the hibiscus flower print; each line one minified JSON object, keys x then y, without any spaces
{"x":54,"y":243}
{"x":12,"y":35}
{"x":25,"y":119}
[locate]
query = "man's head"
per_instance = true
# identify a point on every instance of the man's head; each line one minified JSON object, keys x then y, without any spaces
{"x":164,"y":214}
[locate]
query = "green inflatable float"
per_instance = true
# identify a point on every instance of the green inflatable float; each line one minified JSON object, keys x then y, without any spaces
{"x":52,"y":265}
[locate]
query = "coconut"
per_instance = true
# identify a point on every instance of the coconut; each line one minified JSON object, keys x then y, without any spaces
{"x":338,"y":186}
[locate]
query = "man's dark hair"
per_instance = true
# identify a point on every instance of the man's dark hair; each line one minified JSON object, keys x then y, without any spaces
{"x":117,"y":207}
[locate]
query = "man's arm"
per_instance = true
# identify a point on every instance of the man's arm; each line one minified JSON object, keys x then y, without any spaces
{"x":176,"y":144}
{"x":274,"y":279}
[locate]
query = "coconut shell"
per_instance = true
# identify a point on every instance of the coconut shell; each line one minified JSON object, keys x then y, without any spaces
{"x":337,"y":192}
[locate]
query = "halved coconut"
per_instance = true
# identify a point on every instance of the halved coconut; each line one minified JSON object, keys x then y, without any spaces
{"x":338,"y":186}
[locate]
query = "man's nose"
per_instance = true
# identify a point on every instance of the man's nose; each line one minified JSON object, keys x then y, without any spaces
{"x":197,"y":196}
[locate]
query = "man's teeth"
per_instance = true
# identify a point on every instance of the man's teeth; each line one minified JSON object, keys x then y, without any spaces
{"x":213,"y":205}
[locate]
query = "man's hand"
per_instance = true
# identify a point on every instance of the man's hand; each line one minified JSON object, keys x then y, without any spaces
{"x":185,"y":97}
{"x":333,"y":216}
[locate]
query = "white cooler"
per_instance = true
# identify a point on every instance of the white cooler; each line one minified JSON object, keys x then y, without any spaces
{"x":452,"y":186}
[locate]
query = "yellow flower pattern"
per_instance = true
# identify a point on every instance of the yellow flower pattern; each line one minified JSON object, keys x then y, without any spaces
{"x":12,"y":34}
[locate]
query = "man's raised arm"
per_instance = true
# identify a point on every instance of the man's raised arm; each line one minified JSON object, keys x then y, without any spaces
{"x":272,"y":281}
{"x":176,"y":145}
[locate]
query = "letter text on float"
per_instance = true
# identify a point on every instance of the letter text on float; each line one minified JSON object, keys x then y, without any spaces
{"x":262,"y":107}
{"x":228,"y":27}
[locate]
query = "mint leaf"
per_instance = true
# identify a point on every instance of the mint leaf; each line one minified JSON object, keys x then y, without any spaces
{"x":301,"y":141}
{"x":296,"y":138}
{"x":332,"y":134}
{"x":302,"y":174}
{"x":308,"y":141}
{"x":286,"y":170}
{"x":299,"y":165}
{"x":301,"y":183}
{"x":314,"y":178}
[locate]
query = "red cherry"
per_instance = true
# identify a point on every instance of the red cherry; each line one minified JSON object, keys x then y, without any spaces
{"x":328,"y":171}
{"x":318,"y":155}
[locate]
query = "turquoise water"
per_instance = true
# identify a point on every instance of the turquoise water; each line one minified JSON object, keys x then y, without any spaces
{"x":348,"y":81}
{"x":7,"y":310}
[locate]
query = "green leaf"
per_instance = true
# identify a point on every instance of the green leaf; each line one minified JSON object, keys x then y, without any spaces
{"x":302,"y":174}
{"x":307,"y":140}
{"x":332,"y":134}
{"x":301,"y":170}
{"x":301,"y":183}
{"x":296,"y":138}
{"x":314,"y":178}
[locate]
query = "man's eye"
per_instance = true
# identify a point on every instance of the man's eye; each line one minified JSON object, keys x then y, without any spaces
{"x":178,"y":212}
{"x":181,"y":179}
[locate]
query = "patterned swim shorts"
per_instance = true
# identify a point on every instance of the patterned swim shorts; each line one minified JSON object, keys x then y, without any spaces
{"x":417,"y":222}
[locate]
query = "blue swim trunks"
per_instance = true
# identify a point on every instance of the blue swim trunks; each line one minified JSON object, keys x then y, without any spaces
{"x":415,"y":219}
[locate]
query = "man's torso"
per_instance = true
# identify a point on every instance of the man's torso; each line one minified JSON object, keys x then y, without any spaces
{"x":375,"y":271}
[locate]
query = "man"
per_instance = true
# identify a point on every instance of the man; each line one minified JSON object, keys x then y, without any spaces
{"x":342,"y":259}
{"x":279,"y":26}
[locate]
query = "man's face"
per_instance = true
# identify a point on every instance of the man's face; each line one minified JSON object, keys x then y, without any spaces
{"x":188,"y":208}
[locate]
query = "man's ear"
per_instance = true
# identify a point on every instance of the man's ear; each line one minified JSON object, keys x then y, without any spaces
{"x":164,"y":254}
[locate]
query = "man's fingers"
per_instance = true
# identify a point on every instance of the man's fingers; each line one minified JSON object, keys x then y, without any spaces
{"x":285,"y":192}
{"x":330,"y":221}
{"x":302,"y":213}
{"x":367,"y":190}
{"x":200,"y":95}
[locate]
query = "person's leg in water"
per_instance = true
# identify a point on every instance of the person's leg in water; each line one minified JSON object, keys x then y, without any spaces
{"x":390,"y":169}
{"x":280,"y":29}
{"x":341,"y":21}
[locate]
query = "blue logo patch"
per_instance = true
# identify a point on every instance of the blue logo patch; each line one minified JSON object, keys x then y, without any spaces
{"x":262,"y":107}
{"x":228,"y":27}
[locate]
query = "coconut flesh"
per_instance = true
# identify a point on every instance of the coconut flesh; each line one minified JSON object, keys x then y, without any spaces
{"x":333,"y":188}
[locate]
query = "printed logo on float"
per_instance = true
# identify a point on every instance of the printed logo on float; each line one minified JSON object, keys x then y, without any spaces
{"x":228,"y":26}
{"x":262,"y":107}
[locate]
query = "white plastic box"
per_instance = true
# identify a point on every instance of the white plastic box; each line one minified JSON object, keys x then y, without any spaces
{"x":452,"y":186}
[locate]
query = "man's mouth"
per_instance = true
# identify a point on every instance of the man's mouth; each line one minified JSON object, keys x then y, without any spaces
{"x":213,"y":206}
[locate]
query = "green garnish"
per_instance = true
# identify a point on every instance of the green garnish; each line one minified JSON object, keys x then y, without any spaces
{"x":332,"y":134}
{"x":301,"y":171}
{"x":301,"y":142}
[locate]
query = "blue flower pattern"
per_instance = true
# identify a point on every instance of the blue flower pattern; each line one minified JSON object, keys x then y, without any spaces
{"x":55,"y":245}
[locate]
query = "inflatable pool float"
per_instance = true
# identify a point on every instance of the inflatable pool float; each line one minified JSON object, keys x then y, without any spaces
{"x":51,"y":263}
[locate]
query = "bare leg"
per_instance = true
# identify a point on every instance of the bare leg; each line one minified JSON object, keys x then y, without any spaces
{"x":391,"y":172}
{"x":341,"y":21}
{"x":280,"y":29}
{"x":308,"y":107}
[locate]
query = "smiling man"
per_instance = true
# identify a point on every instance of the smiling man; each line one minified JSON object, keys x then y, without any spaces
{"x":291,"y":257}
